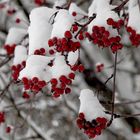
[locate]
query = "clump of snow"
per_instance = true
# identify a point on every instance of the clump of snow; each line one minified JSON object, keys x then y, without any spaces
{"x":40,"y":28}
{"x":73,"y":57}
{"x":90,"y":105}
{"x":15,"y":35}
{"x":60,"y":3}
{"x":20,"y":54}
{"x":37,"y":66}
{"x":80,"y":13}
{"x":62,"y":22}
{"x":134,"y":15}
{"x":60,"y":67}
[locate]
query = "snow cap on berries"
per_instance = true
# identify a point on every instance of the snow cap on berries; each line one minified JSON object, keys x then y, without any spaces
{"x":90,"y":105}
{"x":40,"y":28}
{"x":63,"y":23}
{"x":37,"y":66}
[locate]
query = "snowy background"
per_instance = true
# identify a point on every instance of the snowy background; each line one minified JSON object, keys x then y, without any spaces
{"x":43,"y":117}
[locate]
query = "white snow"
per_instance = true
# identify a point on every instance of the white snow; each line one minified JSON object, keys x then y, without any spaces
{"x":40,"y":28}
{"x":73,"y":57}
{"x":63,"y":22}
{"x":60,"y":67}
{"x":20,"y":54}
{"x":74,"y":8}
{"x":37,"y":66}
{"x":134,"y":15}
{"x":90,"y":105}
{"x":15,"y":35}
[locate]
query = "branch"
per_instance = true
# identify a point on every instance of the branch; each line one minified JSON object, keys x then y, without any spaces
{"x":114,"y":90}
{"x":5,"y":61}
{"x":116,"y":116}
{"x":6,"y":88}
{"x":83,"y":26}
{"x":120,"y":7}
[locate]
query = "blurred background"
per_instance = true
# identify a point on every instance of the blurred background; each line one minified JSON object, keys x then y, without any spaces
{"x":45,"y":118}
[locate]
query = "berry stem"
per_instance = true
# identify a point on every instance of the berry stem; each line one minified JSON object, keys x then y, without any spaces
{"x":116,"y":116}
{"x":120,"y":7}
{"x":114,"y":90}
{"x":83,"y":26}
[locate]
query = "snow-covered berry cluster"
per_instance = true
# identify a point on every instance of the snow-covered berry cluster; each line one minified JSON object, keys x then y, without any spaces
{"x":93,"y":128}
{"x":101,"y":37}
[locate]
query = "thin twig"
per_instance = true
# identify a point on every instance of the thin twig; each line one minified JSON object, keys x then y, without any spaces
{"x":116,"y":116}
{"x":114,"y":90}
{"x":109,"y":79}
{"x":85,"y":25}
{"x":120,"y":7}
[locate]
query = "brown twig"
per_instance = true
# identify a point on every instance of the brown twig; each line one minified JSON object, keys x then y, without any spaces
{"x":6,"y":88}
{"x":5,"y":61}
{"x":114,"y":90}
{"x":116,"y":116}
{"x":109,"y":79}
{"x":120,"y":7}
{"x":85,"y":25}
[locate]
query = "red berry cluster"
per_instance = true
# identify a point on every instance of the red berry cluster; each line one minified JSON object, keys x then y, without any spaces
{"x":35,"y":85}
{"x":101,"y":37}
{"x":92,"y":128}
{"x":115,"y":24}
{"x":10,"y":48}
{"x":99,"y":67}
{"x":16,"y":70}
{"x":134,"y":37}
{"x":39,"y":2}
{"x":2,"y":117}
{"x":79,"y":68}
{"x":11,"y":12}
{"x":60,"y":86}
{"x":65,"y":44}
{"x":40,"y":51}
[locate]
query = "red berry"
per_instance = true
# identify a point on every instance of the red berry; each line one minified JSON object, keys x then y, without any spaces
{"x":81,"y":68}
{"x":110,"y":21}
{"x":8,"y":129}
{"x":18,"y":20}
{"x":54,"y":81}
{"x":74,"y":13}
{"x":50,"y":43}
{"x":68,"y":34}
{"x":75,"y":28}
{"x":71,"y":75}
{"x":26,"y":95}
{"x":51,"y":52}
{"x":67,"y":90}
